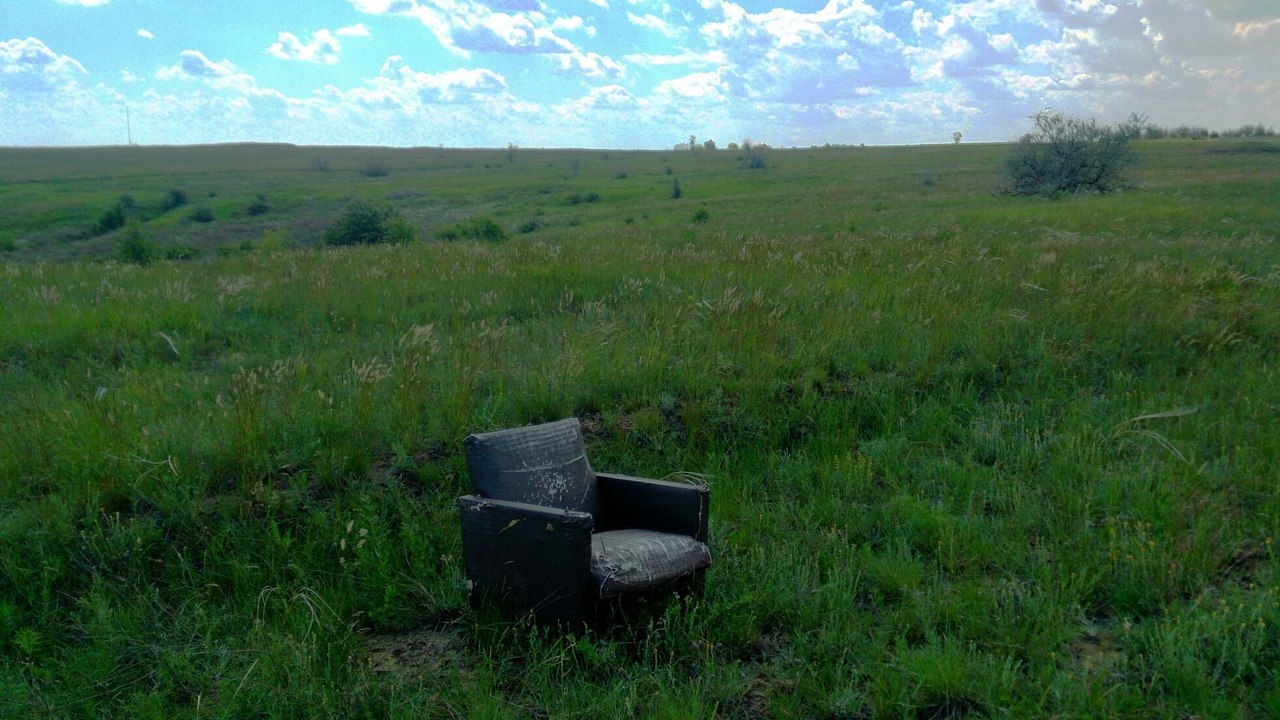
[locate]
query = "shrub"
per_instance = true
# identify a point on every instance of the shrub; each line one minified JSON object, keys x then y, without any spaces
{"x":480,"y":227}
{"x":276,"y":239}
{"x":259,"y":206}
{"x":181,"y":252}
{"x":365,"y":223}
{"x":752,"y":157}
{"x":701,"y":215}
{"x":7,"y":244}
{"x":117,"y":216}
{"x":202,"y":215}
{"x":375,"y":169}
{"x":528,"y":226}
{"x":173,"y":199}
{"x":133,"y":247}
{"x":108,"y":221}
{"x":579,"y":198}
{"x":676,"y":192}
{"x":1065,"y":154}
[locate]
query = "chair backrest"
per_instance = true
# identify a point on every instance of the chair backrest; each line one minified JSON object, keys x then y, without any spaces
{"x":539,"y":464}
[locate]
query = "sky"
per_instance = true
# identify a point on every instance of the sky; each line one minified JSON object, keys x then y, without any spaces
{"x":622,"y":73}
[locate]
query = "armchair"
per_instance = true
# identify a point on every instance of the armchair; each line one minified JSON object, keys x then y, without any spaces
{"x":544,"y":533}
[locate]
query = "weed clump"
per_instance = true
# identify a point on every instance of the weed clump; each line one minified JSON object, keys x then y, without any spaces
{"x":365,"y":223}
{"x":480,"y":227}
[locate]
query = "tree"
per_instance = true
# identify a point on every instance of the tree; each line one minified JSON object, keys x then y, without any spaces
{"x":956,"y":137}
{"x":752,"y":158}
{"x":709,"y":144}
{"x":693,"y":142}
{"x":1064,"y":154}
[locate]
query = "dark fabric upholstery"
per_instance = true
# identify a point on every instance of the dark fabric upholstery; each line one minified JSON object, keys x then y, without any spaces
{"x":540,"y":464}
{"x":528,"y":558}
{"x":624,"y":561}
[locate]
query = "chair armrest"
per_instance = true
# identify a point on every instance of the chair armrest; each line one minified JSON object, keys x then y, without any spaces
{"x":632,"y":502}
{"x":523,"y":556}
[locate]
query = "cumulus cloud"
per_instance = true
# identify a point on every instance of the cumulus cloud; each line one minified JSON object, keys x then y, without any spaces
{"x":30,"y":65}
{"x":145,"y":33}
{"x":323,"y":49}
{"x":399,"y":85}
{"x":192,"y":65}
{"x":514,"y":27}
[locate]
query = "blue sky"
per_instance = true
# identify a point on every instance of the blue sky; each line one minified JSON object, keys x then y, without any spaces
{"x":621,"y":73}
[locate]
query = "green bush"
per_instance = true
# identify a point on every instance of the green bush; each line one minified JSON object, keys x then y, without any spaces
{"x":181,"y":252}
{"x":365,"y":223}
{"x":676,"y":192}
{"x":116,"y":217}
{"x":259,"y":206}
{"x":202,"y":215}
{"x":173,"y":199}
{"x":1065,"y":154}
{"x":480,"y":227}
{"x":701,"y":215}
{"x":7,"y":244}
{"x":580,"y":199}
{"x":753,"y":157}
{"x":133,"y":247}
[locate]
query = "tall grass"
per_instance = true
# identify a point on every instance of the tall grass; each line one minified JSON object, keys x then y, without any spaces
{"x":949,"y":468}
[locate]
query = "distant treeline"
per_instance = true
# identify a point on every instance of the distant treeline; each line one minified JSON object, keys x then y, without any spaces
{"x":1194,"y":132}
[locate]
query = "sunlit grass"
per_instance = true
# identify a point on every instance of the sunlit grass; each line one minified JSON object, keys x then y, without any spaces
{"x":969,"y":455}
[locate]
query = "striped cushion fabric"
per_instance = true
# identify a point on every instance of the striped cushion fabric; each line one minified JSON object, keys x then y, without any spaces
{"x":626,"y":560}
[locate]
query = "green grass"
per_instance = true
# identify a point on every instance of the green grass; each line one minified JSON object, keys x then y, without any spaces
{"x":970,"y":455}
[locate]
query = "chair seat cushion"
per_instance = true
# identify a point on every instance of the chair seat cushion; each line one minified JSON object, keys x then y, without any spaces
{"x":623,"y":561}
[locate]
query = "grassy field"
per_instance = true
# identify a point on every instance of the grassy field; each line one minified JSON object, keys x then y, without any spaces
{"x":970,"y":455}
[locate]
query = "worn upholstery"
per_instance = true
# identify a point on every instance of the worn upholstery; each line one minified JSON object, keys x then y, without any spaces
{"x":629,"y":560}
{"x":544,"y":534}
{"x":540,"y":465}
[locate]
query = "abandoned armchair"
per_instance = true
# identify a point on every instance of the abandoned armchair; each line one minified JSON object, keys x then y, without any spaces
{"x":544,"y":534}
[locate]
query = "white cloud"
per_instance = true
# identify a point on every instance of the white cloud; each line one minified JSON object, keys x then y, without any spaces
{"x":84,"y":3}
{"x":30,"y":65}
{"x":653,"y":22}
{"x":701,"y":86}
{"x":224,"y":75}
{"x":145,"y":33}
{"x":357,"y":30}
{"x":688,"y":57}
{"x":589,"y":64}
{"x":399,"y":85}
{"x":516,"y":27}
{"x":324,"y":48}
